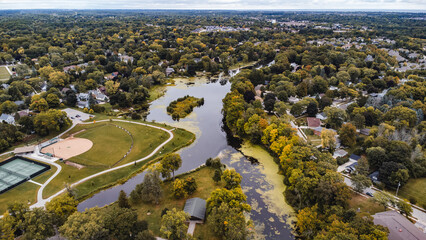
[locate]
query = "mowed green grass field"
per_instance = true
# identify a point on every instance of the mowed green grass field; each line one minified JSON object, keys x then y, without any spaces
{"x":415,"y":188}
{"x":110,"y":143}
{"x":146,"y":139}
{"x":4,"y":74}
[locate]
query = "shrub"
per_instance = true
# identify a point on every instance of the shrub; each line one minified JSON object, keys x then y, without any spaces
{"x":342,"y":160}
{"x":413,"y":200}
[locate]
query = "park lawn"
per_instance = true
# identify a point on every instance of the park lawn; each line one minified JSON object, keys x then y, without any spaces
{"x":70,"y":174}
{"x":146,"y":139}
{"x":205,"y":183}
{"x":156,"y":92}
{"x":414,"y":188}
{"x":24,"y":193}
{"x":110,"y":144}
{"x":4,"y":74}
{"x":364,"y":204}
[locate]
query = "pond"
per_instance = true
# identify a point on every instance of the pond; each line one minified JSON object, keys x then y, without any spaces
{"x":261,"y":182}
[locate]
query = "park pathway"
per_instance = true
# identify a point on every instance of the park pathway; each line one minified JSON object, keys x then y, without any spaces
{"x":41,"y":202}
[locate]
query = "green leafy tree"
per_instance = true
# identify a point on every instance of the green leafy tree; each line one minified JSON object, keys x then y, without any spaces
{"x":404,"y":207}
{"x":335,"y":116}
{"x":217,"y":175}
{"x":149,"y":190}
{"x":123,"y":202}
{"x":62,"y":207}
{"x":361,"y":182}
{"x":173,"y":224}
{"x":232,"y":178}
{"x":228,"y":223}
{"x":84,"y":225}
{"x":169,"y":164}
{"x":178,"y":189}
{"x":347,"y":135}
{"x":38,"y":224}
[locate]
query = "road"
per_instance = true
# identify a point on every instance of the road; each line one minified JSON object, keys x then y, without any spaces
{"x":41,"y":202}
{"x":418,"y":214}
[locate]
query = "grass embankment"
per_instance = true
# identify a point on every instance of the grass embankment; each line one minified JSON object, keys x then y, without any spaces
{"x":181,"y":107}
{"x":26,"y":192}
{"x":152,"y":213}
{"x":146,"y":139}
{"x":364,"y":204}
{"x":414,"y":189}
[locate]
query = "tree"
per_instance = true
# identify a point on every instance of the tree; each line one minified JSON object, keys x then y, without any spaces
{"x":328,"y":139}
{"x":361,"y":182}
{"x":8,"y":107}
{"x":58,"y":79}
{"x":234,"y":198}
{"x":312,"y":109}
{"x":173,"y":224}
{"x":169,"y":164}
{"x":335,"y":117}
{"x":383,"y":199}
{"x":390,"y":174}
{"x":190,"y":185}
{"x":52,"y":120}
{"x":38,"y":103}
{"x":363,"y":167}
{"x":62,"y":207}
{"x":228,"y":223}
{"x":232,"y":178}
{"x":121,"y":223}
{"x":84,"y":225}
{"x":149,"y":190}
{"x":38,"y":224}
{"x":376,"y":156}
{"x":145,"y":235}
{"x":347,"y":134}
{"x":404,"y":207}
{"x":53,"y":100}
{"x":123,"y":202}
{"x":401,"y":116}
{"x":178,"y":189}
{"x":217,"y":175}
{"x":308,"y":223}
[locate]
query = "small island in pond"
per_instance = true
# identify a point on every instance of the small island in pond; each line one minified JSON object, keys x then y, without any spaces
{"x":183,"y":106}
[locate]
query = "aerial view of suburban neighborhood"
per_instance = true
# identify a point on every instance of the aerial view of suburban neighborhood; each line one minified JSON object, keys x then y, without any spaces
{"x":224,"y":120}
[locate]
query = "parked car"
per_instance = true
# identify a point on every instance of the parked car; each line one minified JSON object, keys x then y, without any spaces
{"x":369,"y":194}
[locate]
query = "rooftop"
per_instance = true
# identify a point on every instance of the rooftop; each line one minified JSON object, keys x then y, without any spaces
{"x":196,"y":208}
{"x":400,"y":228}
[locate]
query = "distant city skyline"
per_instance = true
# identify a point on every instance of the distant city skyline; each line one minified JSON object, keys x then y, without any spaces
{"x":398,"y":5}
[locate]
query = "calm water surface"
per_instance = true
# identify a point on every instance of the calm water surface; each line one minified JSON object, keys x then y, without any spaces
{"x":270,"y":221}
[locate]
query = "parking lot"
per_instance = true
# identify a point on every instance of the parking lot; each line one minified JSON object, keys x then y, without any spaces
{"x":76,"y":116}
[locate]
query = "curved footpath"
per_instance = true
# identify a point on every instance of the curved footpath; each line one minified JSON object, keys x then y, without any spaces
{"x":41,"y":202}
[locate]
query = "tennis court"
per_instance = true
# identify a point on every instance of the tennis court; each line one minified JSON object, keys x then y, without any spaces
{"x":17,"y":170}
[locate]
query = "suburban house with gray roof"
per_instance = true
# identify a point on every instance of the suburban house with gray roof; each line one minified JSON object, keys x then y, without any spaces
{"x":400,"y":228}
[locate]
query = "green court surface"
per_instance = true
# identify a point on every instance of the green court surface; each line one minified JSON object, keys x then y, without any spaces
{"x":17,"y":170}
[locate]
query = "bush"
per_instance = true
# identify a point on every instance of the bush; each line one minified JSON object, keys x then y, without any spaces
{"x":98,"y":108}
{"x":309,"y":131}
{"x":413,"y":200}
{"x":209,"y":162}
{"x":190,"y":185}
{"x":136,"y":116}
{"x":342,"y":160}
{"x":164,"y":211}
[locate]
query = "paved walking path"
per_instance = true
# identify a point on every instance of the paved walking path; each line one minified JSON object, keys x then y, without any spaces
{"x":41,"y":202}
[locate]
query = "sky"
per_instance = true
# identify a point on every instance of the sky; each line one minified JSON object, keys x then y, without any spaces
{"x":418,"y":5}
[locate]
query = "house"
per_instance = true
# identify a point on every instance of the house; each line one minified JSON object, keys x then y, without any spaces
{"x":19,"y":102}
{"x":65,"y":90}
{"x":7,"y":118}
{"x":365,"y":131}
{"x":321,"y":116}
{"x":24,"y":150}
{"x":169,"y":71}
{"x":83,"y":97}
{"x":313,"y":122}
{"x":293,"y":100}
{"x":195,"y":208}
{"x":24,"y":113}
{"x":339,"y":153}
{"x":352,"y":167}
{"x":354,"y":157}
{"x":400,"y":228}
{"x":374,"y":177}
{"x":5,"y":86}
{"x":125,"y":58}
{"x":83,"y":104}
{"x":369,"y":58}
{"x":98,"y":95}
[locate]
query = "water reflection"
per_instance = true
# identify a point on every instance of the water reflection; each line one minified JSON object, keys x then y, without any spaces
{"x":212,"y":141}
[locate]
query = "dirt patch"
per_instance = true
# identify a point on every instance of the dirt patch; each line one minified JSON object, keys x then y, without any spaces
{"x":69,"y":147}
{"x":73,"y":164}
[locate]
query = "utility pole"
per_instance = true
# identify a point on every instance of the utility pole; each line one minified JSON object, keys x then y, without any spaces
{"x":397,"y":189}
